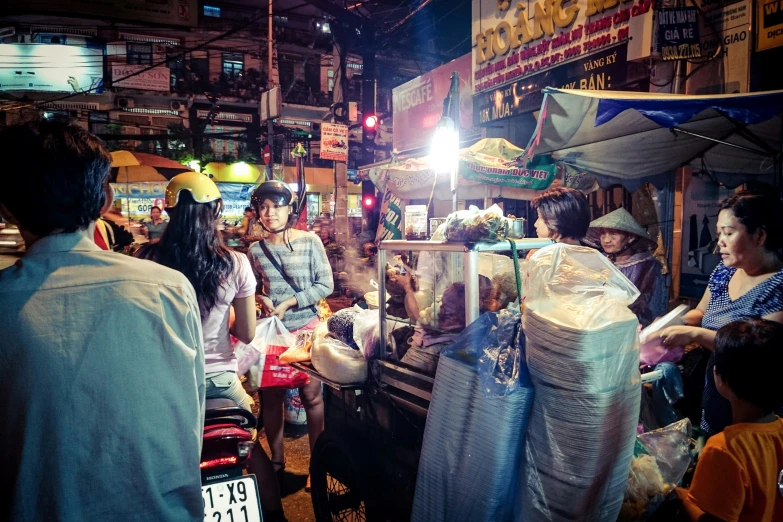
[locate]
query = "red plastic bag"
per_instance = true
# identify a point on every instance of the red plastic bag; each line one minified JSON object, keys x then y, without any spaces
{"x":271,"y":340}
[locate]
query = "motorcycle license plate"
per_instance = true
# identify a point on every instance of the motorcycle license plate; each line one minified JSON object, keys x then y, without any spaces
{"x":233,"y":500}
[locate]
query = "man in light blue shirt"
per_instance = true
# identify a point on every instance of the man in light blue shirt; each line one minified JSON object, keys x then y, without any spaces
{"x":101,"y":356}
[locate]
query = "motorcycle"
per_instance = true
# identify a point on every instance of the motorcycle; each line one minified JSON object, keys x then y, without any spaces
{"x":229,"y":495}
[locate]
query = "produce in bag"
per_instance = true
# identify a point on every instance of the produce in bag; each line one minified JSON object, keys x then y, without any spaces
{"x":476,"y":225}
{"x":272,"y":340}
{"x":660,"y":461}
{"x":300,"y":351}
{"x":335,"y":360}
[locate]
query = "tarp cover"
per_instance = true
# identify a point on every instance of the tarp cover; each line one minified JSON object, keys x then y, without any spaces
{"x":630,"y":135}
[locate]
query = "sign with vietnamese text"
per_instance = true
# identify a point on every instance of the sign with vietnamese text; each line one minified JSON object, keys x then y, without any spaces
{"x":678,"y":33}
{"x":769,"y":24}
{"x":334,"y":142}
{"x":418,"y":104}
{"x":141,"y":77}
{"x":137,"y":199}
{"x":606,"y":69}
{"x":168,"y":12}
{"x":513,"y":40}
{"x":391,"y":218}
{"x":52,"y":68}
{"x":726,"y":29}
{"x":536,"y":178}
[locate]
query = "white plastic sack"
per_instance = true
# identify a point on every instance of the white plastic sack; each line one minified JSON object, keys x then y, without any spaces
{"x":335,"y":360}
{"x":367,"y":334}
{"x":577,"y":287}
{"x":270,"y":334}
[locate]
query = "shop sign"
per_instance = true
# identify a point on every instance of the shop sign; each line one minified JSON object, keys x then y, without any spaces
{"x":678,"y":33}
{"x":515,"y":40}
{"x":167,"y":12}
{"x":418,"y":104}
{"x":137,"y":199}
{"x":769,"y":24}
{"x":536,"y":178}
{"x":334,"y":142}
{"x":51,"y":68}
{"x":606,"y":69}
{"x":391,"y":218}
{"x":140,"y":77}
{"x":726,"y":26}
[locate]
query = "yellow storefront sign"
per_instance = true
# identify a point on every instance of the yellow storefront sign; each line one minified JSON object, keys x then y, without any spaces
{"x":769,"y":24}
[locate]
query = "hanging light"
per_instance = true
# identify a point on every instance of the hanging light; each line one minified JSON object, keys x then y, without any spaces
{"x":444,"y":150}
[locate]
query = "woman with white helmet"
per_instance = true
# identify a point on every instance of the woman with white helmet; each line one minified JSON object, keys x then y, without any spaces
{"x":295,"y":275}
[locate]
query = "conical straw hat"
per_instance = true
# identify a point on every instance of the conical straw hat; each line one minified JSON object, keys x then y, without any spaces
{"x":622,"y":220}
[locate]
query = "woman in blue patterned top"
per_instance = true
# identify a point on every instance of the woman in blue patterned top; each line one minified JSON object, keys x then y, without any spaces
{"x":747,"y":284}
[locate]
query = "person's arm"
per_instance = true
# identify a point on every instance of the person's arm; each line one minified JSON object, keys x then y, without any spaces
{"x":691,"y":331}
{"x":244,"y":327}
{"x":690,"y":512}
{"x":323,"y":284}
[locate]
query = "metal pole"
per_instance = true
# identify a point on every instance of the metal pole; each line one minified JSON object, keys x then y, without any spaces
{"x":382,"y":300}
{"x":471,"y":286}
{"x":270,"y":84}
{"x":454,"y":106}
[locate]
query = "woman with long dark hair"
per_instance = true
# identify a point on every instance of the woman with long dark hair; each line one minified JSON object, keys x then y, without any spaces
{"x":222,"y":279}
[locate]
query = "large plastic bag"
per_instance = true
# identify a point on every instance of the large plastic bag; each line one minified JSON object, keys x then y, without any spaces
{"x":271,"y":340}
{"x":300,"y":351}
{"x":335,"y":360}
{"x":661,"y":460}
{"x":577,"y":287}
{"x":476,"y":225}
{"x":476,"y":425}
{"x":367,"y":334}
{"x":582,"y":355}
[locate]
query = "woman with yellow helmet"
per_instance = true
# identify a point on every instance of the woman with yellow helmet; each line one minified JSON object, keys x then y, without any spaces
{"x":222,"y":279}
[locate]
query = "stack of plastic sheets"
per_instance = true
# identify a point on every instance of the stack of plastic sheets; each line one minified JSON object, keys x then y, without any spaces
{"x":475,"y":429}
{"x":584,"y":367}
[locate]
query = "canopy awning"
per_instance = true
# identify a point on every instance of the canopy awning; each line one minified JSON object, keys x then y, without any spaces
{"x":631,"y":135}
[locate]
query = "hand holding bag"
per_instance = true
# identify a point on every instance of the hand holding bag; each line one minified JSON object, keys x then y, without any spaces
{"x":271,"y":340}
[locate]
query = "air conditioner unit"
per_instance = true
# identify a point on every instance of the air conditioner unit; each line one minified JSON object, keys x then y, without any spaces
{"x":177,"y":106}
{"x":125,"y":103}
{"x":7,"y":31}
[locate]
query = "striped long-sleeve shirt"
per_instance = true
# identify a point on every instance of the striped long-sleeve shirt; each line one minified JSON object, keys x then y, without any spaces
{"x":307,"y":265}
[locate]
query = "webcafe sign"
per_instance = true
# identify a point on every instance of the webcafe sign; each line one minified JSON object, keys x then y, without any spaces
{"x":512,"y":41}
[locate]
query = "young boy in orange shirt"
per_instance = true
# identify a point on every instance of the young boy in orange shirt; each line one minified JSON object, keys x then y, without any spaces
{"x":737,"y":475}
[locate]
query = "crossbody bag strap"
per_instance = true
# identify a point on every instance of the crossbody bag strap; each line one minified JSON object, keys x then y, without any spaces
{"x":295,"y":287}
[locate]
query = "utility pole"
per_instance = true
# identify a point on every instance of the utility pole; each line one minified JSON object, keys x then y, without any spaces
{"x":269,"y":84}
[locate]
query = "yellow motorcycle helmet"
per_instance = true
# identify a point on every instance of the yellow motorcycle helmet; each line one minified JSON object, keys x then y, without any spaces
{"x":201,"y":188}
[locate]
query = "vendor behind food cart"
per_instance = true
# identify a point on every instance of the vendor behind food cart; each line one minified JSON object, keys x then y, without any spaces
{"x":563,"y":216}
{"x":629,"y":247}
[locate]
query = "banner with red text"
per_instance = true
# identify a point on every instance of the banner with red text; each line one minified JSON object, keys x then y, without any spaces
{"x":418,"y":104}
{"x":514,"y":40}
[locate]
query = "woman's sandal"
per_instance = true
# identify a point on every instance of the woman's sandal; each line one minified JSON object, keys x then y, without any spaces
{"x":279,"y":468}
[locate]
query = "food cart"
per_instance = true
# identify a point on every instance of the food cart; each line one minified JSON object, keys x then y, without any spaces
{"x":364,"y":465}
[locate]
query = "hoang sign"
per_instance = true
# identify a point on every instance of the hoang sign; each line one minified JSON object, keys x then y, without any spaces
{"x":513,"y":40}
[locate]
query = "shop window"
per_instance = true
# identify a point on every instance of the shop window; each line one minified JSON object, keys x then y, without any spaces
{"x":176,"y":64}
{"x":139,"y":54}
{"x":98,"y":121}
{"x":233,"y":65}
{"x":212,"y":11}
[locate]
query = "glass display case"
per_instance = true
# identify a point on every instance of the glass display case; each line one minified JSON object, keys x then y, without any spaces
{"x":453,"y":283}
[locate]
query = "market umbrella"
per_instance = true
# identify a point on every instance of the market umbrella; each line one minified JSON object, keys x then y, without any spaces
{"x":633,"y":135}
{"x":135,"y":167}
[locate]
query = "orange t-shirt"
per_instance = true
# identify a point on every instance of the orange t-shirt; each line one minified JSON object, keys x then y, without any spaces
{"x":736,"y":479}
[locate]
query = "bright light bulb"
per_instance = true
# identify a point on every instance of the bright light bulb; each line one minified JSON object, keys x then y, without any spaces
{"x":195,"y":165}
{"x":444,"y":151}
{"x":241,"y":168}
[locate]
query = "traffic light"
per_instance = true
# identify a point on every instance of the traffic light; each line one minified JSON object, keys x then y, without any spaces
{"x":370,"y":126}
{"x":368,"y":195}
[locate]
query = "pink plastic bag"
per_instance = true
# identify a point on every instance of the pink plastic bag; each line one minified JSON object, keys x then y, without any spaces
{"x":653,"y":352}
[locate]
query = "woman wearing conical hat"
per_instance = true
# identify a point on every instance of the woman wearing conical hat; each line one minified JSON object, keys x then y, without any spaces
{"x":628,"y":245}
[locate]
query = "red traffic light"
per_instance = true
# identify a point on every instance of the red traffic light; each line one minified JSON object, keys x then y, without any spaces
{"x":370,"y":122}
{"x":369,"y":201}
